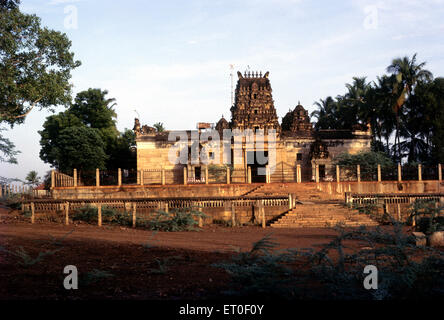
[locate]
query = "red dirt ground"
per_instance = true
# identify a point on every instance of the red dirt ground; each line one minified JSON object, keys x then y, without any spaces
{"x":120,"y":252}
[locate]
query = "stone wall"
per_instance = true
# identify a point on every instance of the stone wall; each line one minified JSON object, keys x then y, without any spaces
{"x":157,"y":191}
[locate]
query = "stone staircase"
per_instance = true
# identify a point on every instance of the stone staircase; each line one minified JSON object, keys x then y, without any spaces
{"x":321,"y":214}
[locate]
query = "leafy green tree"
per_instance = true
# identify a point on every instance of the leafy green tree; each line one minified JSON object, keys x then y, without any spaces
{"x":7,"y":150}
{"x":367,"y":160}
{"x":32,"y":178}
{"x":35,"y":68}
{"x":80,"y":147}
{"x":90,"y":109}
{"x":123,"y":153}
{"x":9,"y":4}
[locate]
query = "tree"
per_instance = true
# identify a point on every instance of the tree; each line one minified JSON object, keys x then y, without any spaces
{"x":123,"y":154}
{"x":408,"y":73}
{"x":326,"y":114}
{"x":367,"y":160}
{"x":90,"y":109}
{"x":79,"y":147}
{"x":9,"y":4}
{"x":32,"y":178}
{"x":7,"y":148}
{"x":159,"y":126}
{"x":35,"y":68}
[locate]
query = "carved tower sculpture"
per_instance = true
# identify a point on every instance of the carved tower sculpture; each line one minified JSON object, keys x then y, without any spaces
{"x":254,"y":106}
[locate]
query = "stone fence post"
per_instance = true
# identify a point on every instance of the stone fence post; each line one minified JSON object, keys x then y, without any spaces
{"x":52,"y":179}
{"x":228,"y":175}
{"x":97,"y":177}
{"x":298,"y":173}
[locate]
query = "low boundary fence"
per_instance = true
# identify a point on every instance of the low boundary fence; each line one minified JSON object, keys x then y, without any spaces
{"x":142,"y":206}
{"x":279,"y":173}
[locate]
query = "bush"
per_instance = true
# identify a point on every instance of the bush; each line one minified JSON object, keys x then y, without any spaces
{"x":90,"y":214}
{"x":427,"y":215}
{"x":405,"y":271}
{"x":183,"y":219}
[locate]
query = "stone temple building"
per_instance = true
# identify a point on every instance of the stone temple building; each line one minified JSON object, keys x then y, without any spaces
{"x":297,"y":144}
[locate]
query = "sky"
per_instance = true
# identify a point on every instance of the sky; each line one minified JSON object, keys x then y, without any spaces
{"x":169,"y":61}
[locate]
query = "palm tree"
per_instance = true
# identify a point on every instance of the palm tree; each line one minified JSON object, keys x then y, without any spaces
{"x":32,"y":178}
{"x":326,"y":113}
{"x":159,"y":127}
{"x":408,"y":73}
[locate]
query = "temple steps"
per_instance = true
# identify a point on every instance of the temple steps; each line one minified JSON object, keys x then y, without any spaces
{"x":321,"y":215}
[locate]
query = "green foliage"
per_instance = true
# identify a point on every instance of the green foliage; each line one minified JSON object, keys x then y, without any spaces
{"x":7,"y":150}
{"x":259,"y":273}
{"x":79,"y":147}
{"x":182,"y":219}
{"x":94,"y":276}
{"x":35,"y":64}
{"x":159,"y":126}
{"x":13,"y":201}
{"x":90,"y":214}
{"x":427,"y":215}
{"x":32,"y":178}
{"x":406,"y":104}
{"x":25,"y":259}
{"x":368,"y":162}
{"x":335,"y":271}
{"x":35,"y":69}
{"x":162,"y":265}
{"x":92,"y":112}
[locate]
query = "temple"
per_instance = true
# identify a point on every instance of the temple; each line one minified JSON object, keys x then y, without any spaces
{"x":297,"y":146}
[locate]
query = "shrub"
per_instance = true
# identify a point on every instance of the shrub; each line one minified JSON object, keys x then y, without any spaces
{"x":427,"y":215}
{"x":90,"y":214}
{"x":404,"y":270}
{"x":183,"y":219}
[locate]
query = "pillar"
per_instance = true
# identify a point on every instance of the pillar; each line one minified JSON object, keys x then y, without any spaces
{"x":141,"y":177}
{"x":399,"y":172}
{"x":75,"y":177}
{"x":419,"y":172}
{"x":67,"y":213}
{"x":358,"y":172}
{"x":97,"y":178}
{"x":200,"y":220}
{"x":338,"y":174}
{"x":267,"y":174}
{"x":439,"y":172}
{"x":317,"y":173}
{"x":298,"y":173}
{"x":119,"y":177}
{"x":32,"y":212}
{"x":52,"y":179}
{"x":249,"y":174}
{"x":233,"y":215}
{"x":228,"y":175}
{"x":290,"y":201}
{"x":379,"y":173}
{"x":184,"y":175}
{"x":206,"y":174}
{"x":99,"y":215}
{"x":262,"y":211}
{"x":134,"y":214}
